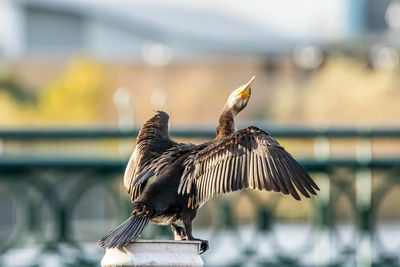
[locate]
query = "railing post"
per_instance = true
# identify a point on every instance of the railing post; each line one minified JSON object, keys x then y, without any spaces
{"x":155,"y":253}
{"x":322,"y":150}
{"x":1,"y":147}
{"x":323,"y":232}
{"x":364,"y":201}
{"x":363,"y":193}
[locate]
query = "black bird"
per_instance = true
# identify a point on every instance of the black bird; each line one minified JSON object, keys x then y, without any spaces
{"x":187,"y":175}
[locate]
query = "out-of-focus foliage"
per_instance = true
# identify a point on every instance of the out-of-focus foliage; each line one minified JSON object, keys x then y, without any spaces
{"x":72,"y":97}
{"x":15,"y":89}
{"x":343,"y":91}
{"x":8,"y":108}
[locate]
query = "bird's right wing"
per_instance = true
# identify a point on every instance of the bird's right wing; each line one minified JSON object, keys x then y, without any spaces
{"x":153,"y":140}
{"x":249,"y":158}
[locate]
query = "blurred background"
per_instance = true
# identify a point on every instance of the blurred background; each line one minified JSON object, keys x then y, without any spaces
{"x":78,"y":78}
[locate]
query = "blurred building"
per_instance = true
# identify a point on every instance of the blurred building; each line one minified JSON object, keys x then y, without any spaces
{"x":125,"y":30}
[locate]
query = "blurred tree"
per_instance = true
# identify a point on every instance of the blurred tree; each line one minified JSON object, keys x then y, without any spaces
{"x":343,"y":91}
{"x":75,"y":96}
{"x":8,"y":108}
{"x":11,"y":85}
{"x":12,"y":97}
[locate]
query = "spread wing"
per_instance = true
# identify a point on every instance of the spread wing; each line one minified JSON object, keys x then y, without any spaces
{"x":249,"y":158}
{"x":153,"y":140}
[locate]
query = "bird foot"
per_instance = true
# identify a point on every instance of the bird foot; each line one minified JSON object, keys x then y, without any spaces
{"x":203,"y":246}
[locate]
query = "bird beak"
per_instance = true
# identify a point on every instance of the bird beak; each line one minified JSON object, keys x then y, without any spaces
{"x":245,"y":90}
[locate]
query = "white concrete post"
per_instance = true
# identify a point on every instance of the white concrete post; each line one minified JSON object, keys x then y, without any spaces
{"x":155,"y":253}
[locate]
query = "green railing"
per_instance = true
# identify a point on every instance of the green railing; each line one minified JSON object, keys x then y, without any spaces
{"x":53,"y":199}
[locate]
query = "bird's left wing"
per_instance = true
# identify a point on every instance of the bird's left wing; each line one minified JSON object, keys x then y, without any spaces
{"x":249,"y":158}
{"x":153,"y":140}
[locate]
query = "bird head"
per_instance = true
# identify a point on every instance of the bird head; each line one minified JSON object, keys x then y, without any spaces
{"x":239,"y":98}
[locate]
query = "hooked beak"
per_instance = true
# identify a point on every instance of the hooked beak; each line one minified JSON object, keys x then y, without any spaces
{"x":245,"y":90}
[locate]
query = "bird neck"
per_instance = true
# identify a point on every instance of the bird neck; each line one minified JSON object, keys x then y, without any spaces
{"x":226,"y":123}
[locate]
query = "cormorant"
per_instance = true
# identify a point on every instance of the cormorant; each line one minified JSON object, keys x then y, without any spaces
{"x":187,"y":175}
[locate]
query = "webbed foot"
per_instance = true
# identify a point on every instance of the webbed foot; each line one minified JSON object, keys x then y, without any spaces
{"x":203,"y":246}
{"x":188,"y":227}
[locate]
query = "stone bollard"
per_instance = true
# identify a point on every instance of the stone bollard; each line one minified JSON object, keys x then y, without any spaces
{"x":155,"y":253}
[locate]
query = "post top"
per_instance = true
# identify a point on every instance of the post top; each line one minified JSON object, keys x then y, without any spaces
{"x":166,"y":242}
{"x":155,"y":253}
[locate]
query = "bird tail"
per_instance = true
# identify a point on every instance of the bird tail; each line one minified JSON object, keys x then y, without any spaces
{"x":126,"y":233}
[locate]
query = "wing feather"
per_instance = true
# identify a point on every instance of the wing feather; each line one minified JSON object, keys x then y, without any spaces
{"x":257,"y":171}
{"x":223,"y":178}
{"x":285,"y":176}
{"x":250,"y":166}
{"x":275,"y":175}
{"x":264,"y":174}
{"x":291,"y":175}
{"x":227,"y":180}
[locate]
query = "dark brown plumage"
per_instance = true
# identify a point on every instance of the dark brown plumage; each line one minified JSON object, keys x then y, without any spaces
{"x":188,"y":175}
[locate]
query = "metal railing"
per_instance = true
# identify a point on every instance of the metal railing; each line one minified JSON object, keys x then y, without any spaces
{"x":45,"y":195}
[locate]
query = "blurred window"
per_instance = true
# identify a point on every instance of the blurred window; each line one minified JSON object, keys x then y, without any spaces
{"x":48,"y":31}
{"x":375,"y":19}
